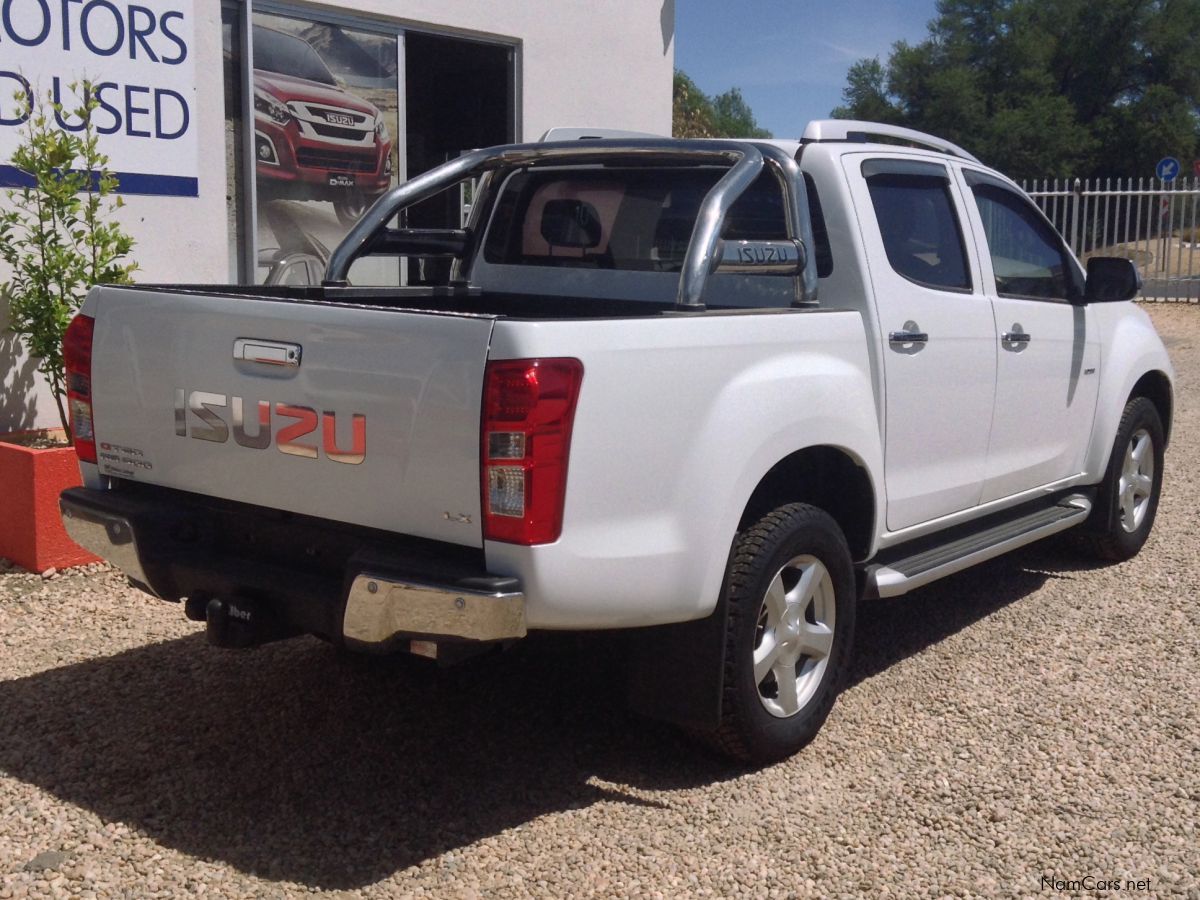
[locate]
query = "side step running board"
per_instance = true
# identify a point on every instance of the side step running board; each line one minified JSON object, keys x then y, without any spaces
{"x":903,"y":575}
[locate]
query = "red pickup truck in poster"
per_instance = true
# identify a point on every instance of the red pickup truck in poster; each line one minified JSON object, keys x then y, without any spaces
{"x":313,"y":140}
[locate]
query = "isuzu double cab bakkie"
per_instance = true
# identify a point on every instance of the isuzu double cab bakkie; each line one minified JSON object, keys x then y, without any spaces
{"x":711,"y":392}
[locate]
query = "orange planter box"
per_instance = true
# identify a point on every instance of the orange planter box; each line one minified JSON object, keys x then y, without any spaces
{"x":31,"y":532}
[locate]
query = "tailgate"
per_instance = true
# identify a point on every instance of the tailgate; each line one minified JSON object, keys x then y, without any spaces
{"x":374,"y":422}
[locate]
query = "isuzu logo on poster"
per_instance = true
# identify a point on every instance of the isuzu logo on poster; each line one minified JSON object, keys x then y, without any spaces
{"x":139,"y":55}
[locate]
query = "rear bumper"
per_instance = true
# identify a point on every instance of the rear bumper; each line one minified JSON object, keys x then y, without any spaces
{"x":379,"y":609}
{"x":109,"y":536}
{"x":359,"y":587}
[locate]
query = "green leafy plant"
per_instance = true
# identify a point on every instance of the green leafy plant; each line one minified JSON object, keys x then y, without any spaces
{"x":57,"y":238}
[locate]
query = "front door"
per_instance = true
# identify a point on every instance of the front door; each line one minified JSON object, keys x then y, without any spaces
{"x":1047,"y":378}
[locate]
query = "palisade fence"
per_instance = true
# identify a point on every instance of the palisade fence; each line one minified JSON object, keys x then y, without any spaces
{"x":1152,"y":222}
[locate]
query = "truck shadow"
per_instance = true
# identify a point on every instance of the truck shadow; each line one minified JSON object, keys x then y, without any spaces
{"x":294,"y":763}
{"x":891,"y":630}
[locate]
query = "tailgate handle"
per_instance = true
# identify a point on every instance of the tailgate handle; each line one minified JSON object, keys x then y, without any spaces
{"x":269,"y":353}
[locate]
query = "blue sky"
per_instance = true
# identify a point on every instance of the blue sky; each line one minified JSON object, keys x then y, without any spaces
{"x":789,"y":59}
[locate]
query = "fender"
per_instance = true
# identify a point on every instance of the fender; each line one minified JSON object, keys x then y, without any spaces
{"x":1133,"y":349}
{"x":702,"y":419}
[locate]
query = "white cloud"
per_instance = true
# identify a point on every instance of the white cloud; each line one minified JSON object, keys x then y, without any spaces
{"x":849,"y":54}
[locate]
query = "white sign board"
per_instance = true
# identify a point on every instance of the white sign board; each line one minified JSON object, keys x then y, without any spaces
{"x":140,"y":56}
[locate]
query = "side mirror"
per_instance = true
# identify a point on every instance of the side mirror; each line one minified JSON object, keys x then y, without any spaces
{"x":1111,"y":279}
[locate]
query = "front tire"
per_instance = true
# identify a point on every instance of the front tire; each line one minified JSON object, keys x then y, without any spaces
{"x":1128,"y":500}
{"x":349,"y":208}
{"x":791,"y":599}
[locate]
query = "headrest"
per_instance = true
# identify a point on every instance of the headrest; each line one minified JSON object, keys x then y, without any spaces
{"x":571,"y":223}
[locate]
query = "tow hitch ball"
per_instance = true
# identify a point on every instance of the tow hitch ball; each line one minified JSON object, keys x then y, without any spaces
{"x":236,"y":622}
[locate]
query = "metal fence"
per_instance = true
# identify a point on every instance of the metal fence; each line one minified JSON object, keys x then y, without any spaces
{"x":1154,"y":223}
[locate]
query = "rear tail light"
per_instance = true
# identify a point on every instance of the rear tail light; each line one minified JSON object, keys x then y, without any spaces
{"x":77,"y":360}
{"x":528,"y":410}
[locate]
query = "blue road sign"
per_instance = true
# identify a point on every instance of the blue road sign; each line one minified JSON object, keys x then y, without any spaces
{"x":1167,"y":168}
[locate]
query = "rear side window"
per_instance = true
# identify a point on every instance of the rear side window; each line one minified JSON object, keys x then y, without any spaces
{"x":1027,"y":256}
{"x":821,"y":249}
{"x":920,"y":229}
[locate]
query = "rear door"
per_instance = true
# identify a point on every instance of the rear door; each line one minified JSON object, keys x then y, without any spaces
{"x":938,"y":335}
{"x":1047,"y":377}
{"x":357,"y":414}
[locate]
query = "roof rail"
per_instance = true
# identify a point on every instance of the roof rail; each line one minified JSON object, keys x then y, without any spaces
{"x":851,"y":130}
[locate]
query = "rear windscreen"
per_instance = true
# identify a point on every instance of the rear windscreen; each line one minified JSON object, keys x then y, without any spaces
{"x":624,"y":219}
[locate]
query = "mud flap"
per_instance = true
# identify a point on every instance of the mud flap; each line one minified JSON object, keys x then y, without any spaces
{"x":677,"y":672}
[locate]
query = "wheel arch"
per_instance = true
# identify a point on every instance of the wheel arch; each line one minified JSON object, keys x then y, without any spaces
{"x":1155,"y":386}
{"x":828,"y":477}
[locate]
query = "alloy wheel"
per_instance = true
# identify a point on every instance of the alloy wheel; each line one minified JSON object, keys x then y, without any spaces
{"x":795,"y":635}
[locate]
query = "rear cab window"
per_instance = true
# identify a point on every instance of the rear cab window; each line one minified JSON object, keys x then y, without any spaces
{"x":637,"y":220}
{"x":628,"y":220}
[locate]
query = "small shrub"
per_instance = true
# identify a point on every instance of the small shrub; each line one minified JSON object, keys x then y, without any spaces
{"x":58,"y":238}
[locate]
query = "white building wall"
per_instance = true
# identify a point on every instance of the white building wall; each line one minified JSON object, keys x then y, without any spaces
{"x":603,"y":65}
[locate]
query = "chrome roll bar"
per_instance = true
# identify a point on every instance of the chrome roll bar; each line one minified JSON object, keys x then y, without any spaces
{"x":745,"y":162}
{"x":701,"y":253}
{"x":799,"y":222}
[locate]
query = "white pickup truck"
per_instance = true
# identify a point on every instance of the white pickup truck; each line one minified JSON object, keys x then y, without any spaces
{"x":712,"y":392}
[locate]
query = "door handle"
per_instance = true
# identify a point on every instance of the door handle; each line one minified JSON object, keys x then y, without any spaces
{"x":269,"y":353}
{"x":908,"y":337}
{"x":1015,"y":337}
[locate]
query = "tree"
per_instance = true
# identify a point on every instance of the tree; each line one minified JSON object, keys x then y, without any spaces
{"x":866,"y":93}
{"x":691,"y":110}
{"x":1041,"y":87}
{"x":696,"y":115}
{"x":57,"y":238}
{"x":734,"y":117}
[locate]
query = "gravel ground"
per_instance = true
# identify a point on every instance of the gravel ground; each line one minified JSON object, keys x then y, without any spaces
{"x":1033,"y":717}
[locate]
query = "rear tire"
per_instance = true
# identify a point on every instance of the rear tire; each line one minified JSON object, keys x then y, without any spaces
{"x":1128,"y":499}
{"x":791,"y":599}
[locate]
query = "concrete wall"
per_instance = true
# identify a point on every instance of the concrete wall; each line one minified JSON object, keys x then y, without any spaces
{"x":604,"y":65}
